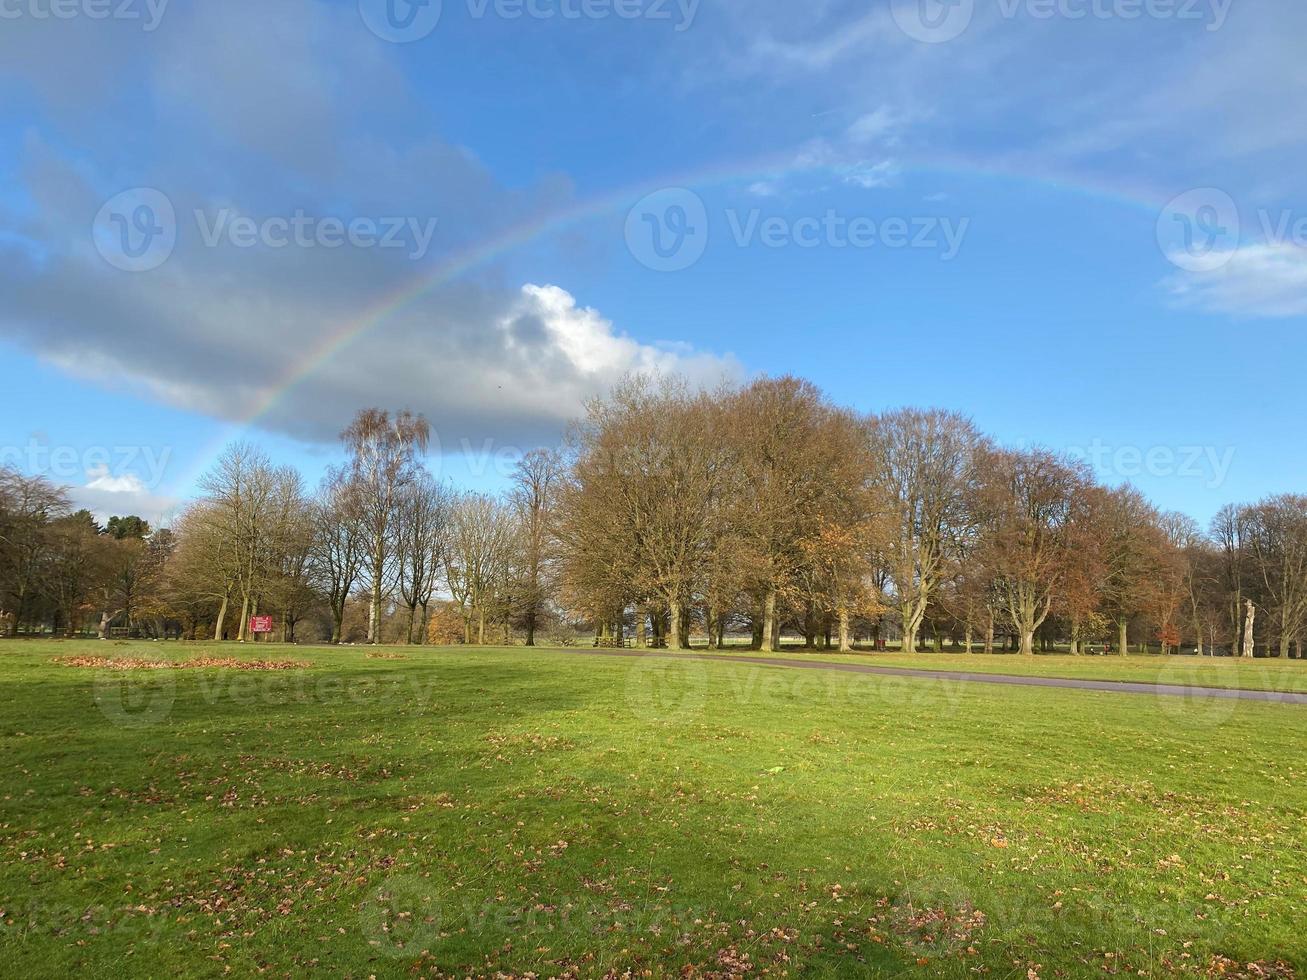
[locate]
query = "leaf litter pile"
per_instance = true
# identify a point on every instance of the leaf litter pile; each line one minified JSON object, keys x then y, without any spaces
{"x":205,"y":663}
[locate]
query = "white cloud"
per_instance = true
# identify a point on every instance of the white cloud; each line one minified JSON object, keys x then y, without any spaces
{"x":546,"y":326}
{"x":106,"y":495}
{"x":1267,"y":280}
{"x":872,"y":175}
{"x":834,"y":43}
{"x":881,"y":124}
{"x":100,"y":479}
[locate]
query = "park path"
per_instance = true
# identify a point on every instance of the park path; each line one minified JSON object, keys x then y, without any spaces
{"x":1114,"y":687}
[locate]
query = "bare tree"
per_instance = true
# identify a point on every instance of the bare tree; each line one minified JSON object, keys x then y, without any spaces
{"x":1032,"y":507}
{"x":923,"y":462}
{"x":1276,"y":532}
{"x":384,"y":455}
{"x":477,"y":560}
{"x":338,"y":548}
{"x":652,"y":471}
{"x":79,"y":566}
{"x":1132,"y":545}
{"x":801,"y":461}
{"x":420,"y":542}
{"x":27,"y":507}
{"x":536,"y":482}
{"x":1233,"y":576}
{"x":247,"y":503}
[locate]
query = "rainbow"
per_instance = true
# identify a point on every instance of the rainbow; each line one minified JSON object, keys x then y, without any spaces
{"x":347,"y":333}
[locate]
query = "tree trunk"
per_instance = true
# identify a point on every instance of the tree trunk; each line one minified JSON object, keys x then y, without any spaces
{"x":337,"y":621}
{"x":245,"y":620}
{"x":909,"y":644}
{"x":374,"y":611}
{"x":641,"y":627}
{"x":845,"y":646}
{"x":674,"y":638}
{"x":106,"y":618}
{"x":1249,"y":637}
{"x":222,"y":616}
{"x":1123,"y":637}
{"x":412,"y":619}
{"x":770,"y":634}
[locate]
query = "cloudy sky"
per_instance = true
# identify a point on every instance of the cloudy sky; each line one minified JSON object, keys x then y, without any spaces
{"x":1082,"y":222}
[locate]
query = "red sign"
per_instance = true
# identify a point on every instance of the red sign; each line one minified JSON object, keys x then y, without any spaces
{"x":260,"y":624}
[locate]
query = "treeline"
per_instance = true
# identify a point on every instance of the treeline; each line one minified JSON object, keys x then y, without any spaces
{"x":675,"y":516}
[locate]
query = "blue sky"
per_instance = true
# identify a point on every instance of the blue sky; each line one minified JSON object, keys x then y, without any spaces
{"x":1082,"y":222}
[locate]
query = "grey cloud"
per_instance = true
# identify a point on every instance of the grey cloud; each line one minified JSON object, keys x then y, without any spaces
{"x":261,"y":110}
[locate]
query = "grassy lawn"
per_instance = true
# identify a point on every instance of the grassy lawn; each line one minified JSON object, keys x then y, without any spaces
{"x":1285,"y":676}
{"x":500,"y":811}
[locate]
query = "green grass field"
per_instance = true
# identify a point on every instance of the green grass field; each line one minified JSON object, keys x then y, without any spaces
{"x":1284,"y":676}
{"x":511,"y":812}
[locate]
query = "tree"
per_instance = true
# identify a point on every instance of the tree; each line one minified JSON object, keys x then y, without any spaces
{"x":536,"y":482}
{"x":248,"y":506}
{"x":79,"y":566}
{"x":1132,"y":546}
{"x":651,"y":475}
{"x":28,"y":505}
{"x":384,"y":455}
{"x":133,"y":586}
{"x":290,"y":584}
{"x":1232,"y":574}
{"x":1032,"y":508}
{"x":800,"y":457}
{"x":1179,"y":536}
{"x":1276,"y":533}
{"x":338,"y":549}
{"x":422,"y":527}
{"x":924,"y":465}
{"x":478,"y":559}
{"x":127,"y":527}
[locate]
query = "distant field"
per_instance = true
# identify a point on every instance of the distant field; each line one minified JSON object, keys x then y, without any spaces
{"x":1222,"y":672}
{"x":483,"y":812}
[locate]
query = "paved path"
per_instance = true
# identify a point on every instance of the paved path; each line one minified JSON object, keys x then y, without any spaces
{"x":1114,"y":687}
